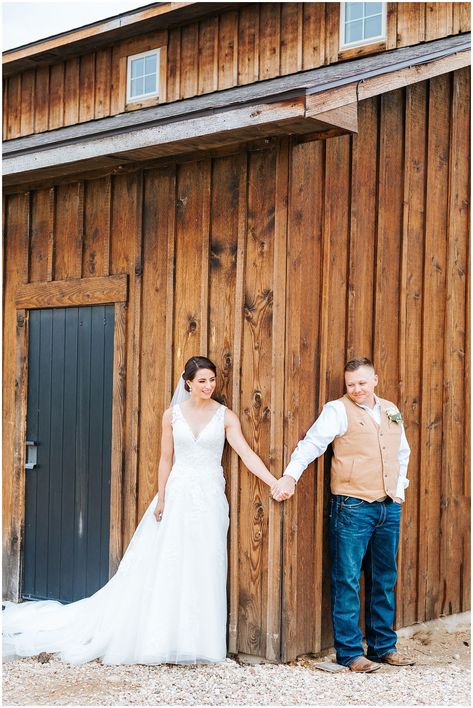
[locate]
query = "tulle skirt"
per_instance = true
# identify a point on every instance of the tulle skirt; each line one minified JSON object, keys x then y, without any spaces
{"x":165,"y":604}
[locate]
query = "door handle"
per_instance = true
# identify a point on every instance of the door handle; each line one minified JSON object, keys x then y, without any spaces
{"x":31,"y":455}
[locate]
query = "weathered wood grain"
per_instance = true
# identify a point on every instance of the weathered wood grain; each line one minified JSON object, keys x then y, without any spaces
{"x":96,"y":239}
{"x":72,"y":292}
{"x":410,"y":340}
{"x":189,"y":60}
{"x":256,"y":399}
{"x":301,"y":392}
{"x":454,"y":521}
{"x":432,"y":343}
{"x":291,"y":37}
{"x":14,"y":107}
{"x":208,"y":56}
{"x":248,"y":44}
{"x":71,"y":91}
{"x":15,"y":264}
{"x":234,"y":483}
{"x":117,"y":472}
{"x":27,"y":102}
{"x":174,"y":65}
{"x":56,"y":97}
{"x":41,"y":236}
{"x":103,"y":68}
{"x":68,"y":231}
{"x":154,"y":357}
{"x":228,"y":50}
{"x":87,"y":87}
{"x":269,"y":40}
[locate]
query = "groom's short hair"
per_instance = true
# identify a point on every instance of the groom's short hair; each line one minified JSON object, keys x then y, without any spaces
{"x":355,"y":364}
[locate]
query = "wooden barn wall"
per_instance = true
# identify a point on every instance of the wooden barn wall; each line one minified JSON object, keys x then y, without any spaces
{"x":256,"y":42}
{"x":279,"y":262}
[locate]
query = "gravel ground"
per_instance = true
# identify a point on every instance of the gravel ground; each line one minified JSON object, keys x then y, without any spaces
{"x":441,"y":677}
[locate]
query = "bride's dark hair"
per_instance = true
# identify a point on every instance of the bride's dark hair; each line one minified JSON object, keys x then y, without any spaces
{"x":193,"y":365}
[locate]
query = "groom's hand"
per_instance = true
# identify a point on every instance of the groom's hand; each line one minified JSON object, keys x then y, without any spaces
{"x":284,"y":488}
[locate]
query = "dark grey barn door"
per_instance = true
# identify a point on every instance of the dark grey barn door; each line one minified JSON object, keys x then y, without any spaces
{"x":69,"y":418}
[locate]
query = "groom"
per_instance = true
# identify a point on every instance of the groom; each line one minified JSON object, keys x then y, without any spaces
{"x":368,"y":478}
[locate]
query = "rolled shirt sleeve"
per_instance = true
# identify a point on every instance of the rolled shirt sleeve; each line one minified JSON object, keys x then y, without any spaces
{"x":331,"y":422}
{"x":403,"y":457}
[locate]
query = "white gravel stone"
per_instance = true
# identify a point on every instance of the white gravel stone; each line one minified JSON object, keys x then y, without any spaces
{"x":433,"y":681}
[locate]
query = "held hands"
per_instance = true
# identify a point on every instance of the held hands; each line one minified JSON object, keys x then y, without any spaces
{"x":284,"y":488}
{"x":158,"y":512}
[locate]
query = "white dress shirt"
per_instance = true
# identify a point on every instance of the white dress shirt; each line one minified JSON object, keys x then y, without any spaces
{"x":331,"y":423}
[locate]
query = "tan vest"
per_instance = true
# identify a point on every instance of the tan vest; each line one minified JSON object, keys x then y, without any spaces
{"x":365,"y":460}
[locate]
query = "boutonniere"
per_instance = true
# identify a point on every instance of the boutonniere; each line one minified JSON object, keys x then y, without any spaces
{"x":394,"y":415}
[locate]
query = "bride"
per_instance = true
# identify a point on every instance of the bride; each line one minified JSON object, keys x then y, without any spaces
{"x":167,"y":601}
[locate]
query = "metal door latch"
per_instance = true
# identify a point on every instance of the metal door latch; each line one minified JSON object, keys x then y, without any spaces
{"x":31,"y":455}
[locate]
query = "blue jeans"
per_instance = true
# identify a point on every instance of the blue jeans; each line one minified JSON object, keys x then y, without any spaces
{"x":363,"y":534}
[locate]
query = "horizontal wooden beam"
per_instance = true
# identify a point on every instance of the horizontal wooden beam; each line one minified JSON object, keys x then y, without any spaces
{"x":188,"y":135}
{"x":73,"y":293}
{"x":342,"y":96}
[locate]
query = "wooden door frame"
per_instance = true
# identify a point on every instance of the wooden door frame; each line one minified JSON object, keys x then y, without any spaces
{"x":54,"y":294}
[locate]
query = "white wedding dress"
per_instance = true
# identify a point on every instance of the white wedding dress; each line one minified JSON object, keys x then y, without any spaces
{"x":167,"y":601}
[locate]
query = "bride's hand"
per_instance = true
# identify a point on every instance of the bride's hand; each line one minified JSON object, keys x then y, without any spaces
{"x":158,"y":512}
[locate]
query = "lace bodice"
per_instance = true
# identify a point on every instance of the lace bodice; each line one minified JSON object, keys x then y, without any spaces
{"x":205,"y":450}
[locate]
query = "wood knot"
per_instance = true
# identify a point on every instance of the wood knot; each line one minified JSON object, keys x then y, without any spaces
{"x":192,"y":326}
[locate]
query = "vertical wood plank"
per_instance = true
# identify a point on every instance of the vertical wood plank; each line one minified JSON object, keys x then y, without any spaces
{"x":256,"y":401}
{"x":71,"y":91}
{"x":313,"y":27}
{"x":41,"y":115}
{"x":208,"y":55}
{"x":96,"y":227}
{"x":335,"y":240}
{"x":332,"y":32}
{"x":126,"y":257}
{"x":454,"y":518}
{"x":363,"y":222}
{"x":248,"y":44}
{"x":103,"y":81}
{"x":388,"y":239}
{"x":410,"y":23}
{"x":432,"y":346}
{"x":41,"y":230}
{"x":269,"y":40}
{"x":174,"y":64}
{"x":438,"y":20}
{"x":154,"y":396}
{"x":234,"y":546}
{"x":56,"y":96}
{"x":16,"y":233}
{"x":117,"y":471}
{"x":276,"y":453}
{"x":461,"y":17}
{"x":5,"y":109}
{"x":291,"y":37}
{"x":87,"y":87}
{"x":27,"y":102}
{"x":228,"y":50}
{"x":411,"y":310}
{"x":192,"y":243}
{"x":189,"y":60}
{"x":68,"y":231}
{"x":14,"y":107}
{"x":391,"y":25}
{"x":301,"y":392}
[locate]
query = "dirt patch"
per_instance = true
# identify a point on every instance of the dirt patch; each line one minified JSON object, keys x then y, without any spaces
{"x":440,"y":677}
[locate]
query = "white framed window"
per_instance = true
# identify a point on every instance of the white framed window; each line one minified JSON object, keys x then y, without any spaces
{"x":142,"y":76}
{"x":362,"y":23}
